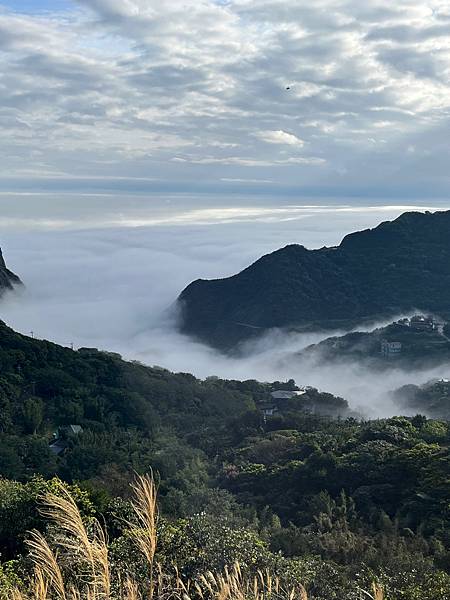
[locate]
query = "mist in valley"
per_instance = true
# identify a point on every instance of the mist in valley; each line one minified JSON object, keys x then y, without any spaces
{"x":112,"y":284}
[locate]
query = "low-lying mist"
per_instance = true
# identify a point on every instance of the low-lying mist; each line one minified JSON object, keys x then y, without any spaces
{"x":110,"y":288}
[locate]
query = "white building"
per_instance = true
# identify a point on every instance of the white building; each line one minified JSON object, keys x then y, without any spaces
{"x":390,"y":349}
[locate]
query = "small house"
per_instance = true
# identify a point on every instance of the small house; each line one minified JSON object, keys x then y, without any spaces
{"x":60,"y":438}
{"x":422,"y":323}
{"x":390,"y":349}
{"x":57,"y":447}
{"x":74,"y":429}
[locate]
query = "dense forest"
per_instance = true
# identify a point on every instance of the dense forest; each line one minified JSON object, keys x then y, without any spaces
{"x":297,"y":486}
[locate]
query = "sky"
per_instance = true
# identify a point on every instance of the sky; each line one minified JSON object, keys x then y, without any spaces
{"x":146,"y":97}
{"x":146,"y":144}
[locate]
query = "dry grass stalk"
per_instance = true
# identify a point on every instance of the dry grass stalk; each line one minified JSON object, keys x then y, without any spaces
{"x":233,"y":585}
{"x":146,"y":510}
{"x":378,"y":592}
{"x":40,"y":585}
{"x":87,"y":545}
{"x":46,"y":562}
{"x":92,"y":548}
{"x":301,"y":593}
{"x":74,"y":593}
{"x":17,"y":595}
{"x":131,"y":590}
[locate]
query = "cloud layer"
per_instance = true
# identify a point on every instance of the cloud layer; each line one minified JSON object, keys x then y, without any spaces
{"x":192,"y":94}
{"x":109,"y":286}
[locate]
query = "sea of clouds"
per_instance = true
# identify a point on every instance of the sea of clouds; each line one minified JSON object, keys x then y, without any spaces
{"x":104,"y":276}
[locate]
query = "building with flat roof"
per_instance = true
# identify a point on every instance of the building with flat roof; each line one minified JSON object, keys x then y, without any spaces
{"x":390,"y":349}
{"x":422,"y":323}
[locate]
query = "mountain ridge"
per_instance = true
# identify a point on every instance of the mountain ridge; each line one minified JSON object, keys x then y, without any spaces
{"x":8,"y":279}
{"x":399,"y":265}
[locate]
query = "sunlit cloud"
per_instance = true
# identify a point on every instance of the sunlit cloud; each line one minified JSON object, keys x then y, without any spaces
{"x":221,"y":91}
{"x":280,"y":137}
{"x":42,"y":211}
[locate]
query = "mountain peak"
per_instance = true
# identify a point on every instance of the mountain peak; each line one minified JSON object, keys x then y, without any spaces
{"x":400,"y":265}
{"x":8,"y":279}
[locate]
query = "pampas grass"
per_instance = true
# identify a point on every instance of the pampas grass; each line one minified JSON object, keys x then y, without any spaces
{"x":75,"y":564}
{"x":89,"y":547}
{"x":377,"y":592}
{"x":233,"y":585}
{"x":146,"y":511}
{"x":47,"y":573}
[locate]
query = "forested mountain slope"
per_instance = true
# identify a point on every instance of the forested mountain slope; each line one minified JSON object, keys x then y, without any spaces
{"x":332,"y":502}
{"x":400,"y":265}
{"x":417,"y":348}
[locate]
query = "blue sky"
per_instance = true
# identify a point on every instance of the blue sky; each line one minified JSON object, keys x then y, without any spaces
{"x":142,"y":96}
{"x":36,"y":5}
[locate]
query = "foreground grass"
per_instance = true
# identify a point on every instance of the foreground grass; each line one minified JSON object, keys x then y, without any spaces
{"x":73,"y":563}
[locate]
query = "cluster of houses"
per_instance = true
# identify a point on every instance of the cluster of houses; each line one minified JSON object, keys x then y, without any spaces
{"x":416,"y":323}
{"x":422,"y":323}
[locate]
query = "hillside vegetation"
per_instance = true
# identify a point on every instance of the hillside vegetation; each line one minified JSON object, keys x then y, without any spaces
{"x":326,"y":501}
{"x":418,"y":349}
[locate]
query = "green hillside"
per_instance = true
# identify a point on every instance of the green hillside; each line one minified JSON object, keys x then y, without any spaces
{"x":417,"y":349}
{"x":327,"y":500}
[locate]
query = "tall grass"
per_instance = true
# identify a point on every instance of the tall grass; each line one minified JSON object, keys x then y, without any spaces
{"x":75,"y":563}
{"x":377,"y":592}
{"x":233,"y":585}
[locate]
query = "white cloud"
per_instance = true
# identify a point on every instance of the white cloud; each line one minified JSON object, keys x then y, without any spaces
{"x":280,"y":137}
{"x":249,"y":162}
{"x":124,"y":87}
{"x":240,"y":180}
{"x":79,"y":280}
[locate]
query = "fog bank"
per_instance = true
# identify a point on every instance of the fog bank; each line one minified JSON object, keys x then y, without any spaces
{"x":108,"y":284}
